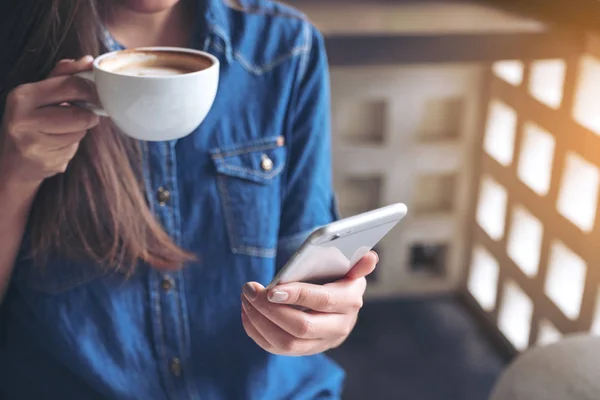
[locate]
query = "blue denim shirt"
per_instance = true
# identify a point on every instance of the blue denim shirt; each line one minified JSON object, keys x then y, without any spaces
{"x":67,"y":332}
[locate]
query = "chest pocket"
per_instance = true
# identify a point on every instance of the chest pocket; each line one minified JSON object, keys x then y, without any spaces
{"x":249,"y":183}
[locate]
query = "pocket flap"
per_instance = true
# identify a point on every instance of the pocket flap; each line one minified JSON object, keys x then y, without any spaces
{"x":258,"y":161}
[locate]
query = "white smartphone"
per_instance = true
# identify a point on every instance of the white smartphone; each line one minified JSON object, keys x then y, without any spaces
{"x":331,"y":251}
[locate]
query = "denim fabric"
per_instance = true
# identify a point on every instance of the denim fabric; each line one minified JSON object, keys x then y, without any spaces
{"x":71,"y":331}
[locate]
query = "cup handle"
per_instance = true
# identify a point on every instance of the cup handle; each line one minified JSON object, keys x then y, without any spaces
{"x":89,"y":75}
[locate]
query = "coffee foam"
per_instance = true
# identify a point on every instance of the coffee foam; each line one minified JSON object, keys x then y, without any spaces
{"x":154,"y":63}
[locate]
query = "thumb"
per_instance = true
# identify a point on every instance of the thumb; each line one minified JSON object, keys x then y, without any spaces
{"x":364,"y":267}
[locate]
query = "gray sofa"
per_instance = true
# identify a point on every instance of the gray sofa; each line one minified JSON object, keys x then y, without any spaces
{"x":567,"y":370}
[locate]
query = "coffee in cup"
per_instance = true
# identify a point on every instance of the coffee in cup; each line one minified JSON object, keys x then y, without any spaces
{"x":155,"y":93}
{"x":154,"y":63}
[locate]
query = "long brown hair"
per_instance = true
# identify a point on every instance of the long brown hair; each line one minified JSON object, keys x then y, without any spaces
{"x":95,"y":211}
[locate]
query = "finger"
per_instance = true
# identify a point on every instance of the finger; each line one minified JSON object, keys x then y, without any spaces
{"x":303,"y":325}
{"x":281,"y":341}
{"x":54,"y":91}
{"x":39,"y":145}
{"x":62,"y":143}
{"x":68,"y":151}
{"x":60,"y":68}
{"x":70,"y":67}
{"x":58,"y":120}
{"x":364,"y":267}
{"x":253,"y":333}
{"x":344,"y":296}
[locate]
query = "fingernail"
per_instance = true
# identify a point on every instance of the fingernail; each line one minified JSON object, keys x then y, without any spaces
{"x":249,"y":291}
{"x":87,"y":58}
{"x":245,"y":304}
{"x":278,"y":296}
{"x":376,"y":256}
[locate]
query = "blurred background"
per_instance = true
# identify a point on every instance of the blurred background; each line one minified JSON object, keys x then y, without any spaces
{"x":484,"y":118}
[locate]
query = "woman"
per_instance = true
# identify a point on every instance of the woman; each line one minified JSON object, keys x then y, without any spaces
{"x":136,"y":270}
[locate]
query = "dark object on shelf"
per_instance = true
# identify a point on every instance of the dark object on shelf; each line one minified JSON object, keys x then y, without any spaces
{"x":428,"y":258}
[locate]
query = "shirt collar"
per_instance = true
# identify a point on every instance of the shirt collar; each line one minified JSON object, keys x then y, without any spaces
{"x":108,"y":41}
{"x":214,"y":17}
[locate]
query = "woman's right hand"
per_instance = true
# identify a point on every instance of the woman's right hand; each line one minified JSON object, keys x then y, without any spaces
{"x":40,"y":133}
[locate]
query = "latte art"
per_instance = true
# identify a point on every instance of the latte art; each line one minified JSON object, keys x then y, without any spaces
{"x":147,"y":70}
{"x":154,"y":63}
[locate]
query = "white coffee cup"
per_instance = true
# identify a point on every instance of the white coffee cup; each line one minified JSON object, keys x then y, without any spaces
{"x":155,"y":93}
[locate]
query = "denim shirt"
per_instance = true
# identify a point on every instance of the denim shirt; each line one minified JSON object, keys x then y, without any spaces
{"x":244,"y":190}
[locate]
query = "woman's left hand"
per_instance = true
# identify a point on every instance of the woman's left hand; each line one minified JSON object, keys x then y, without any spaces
{"x":272,"y":321}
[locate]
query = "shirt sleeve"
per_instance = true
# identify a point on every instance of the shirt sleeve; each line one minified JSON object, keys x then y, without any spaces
{"x":308,"y":197}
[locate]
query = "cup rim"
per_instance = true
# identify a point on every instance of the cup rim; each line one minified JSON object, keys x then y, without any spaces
{"x":212,"y":58}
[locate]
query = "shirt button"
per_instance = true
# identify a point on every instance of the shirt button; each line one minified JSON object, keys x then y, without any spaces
{"x":166,"y":284}
{"x":266,"y":163}
{"x":175,"y":366}
{"x":163,"y":196}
